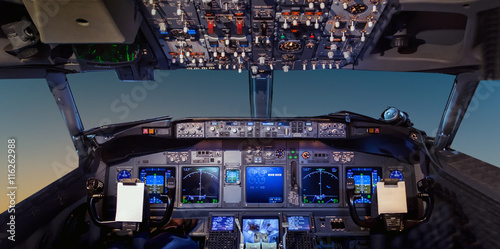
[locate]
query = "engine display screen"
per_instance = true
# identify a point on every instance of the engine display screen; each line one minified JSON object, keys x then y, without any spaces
{"x":365,"y":181}
{"x":200,"y":185}
{"x":320,"y":185}
{"x":264,"y":184}
{"x":266,"y":230}
{"x":299,"y":223}
{"x":233,"y":176}
{"x":155,"y":180}
{"x":222,"y":223}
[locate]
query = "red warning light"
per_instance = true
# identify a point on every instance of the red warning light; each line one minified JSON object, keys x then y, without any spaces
{"x":144,"y":131}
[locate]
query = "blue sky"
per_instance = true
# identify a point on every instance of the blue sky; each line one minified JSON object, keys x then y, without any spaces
{"x":45,"y":151}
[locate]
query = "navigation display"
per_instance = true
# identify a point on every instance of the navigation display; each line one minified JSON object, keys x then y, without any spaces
{"x":265,"y":229}
{"x":320,"y":185}
{"x":222,"y":223}
{"x":299,"y":223}
{"x":155,"y":180}
{"x":200,"y":185}
{"x":365,"y":181}
{"x":264,"y":184}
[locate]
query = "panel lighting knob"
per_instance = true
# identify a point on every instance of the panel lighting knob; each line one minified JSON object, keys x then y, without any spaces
{"x":163,"y":27}
{"x":330,"y":54}
{"x":322,"y":5}
{"x":309,"y":129}
{"x":254,"y":69}
{"x":311,"y":5}
{"x":212,"y":128}
{"x":268,"y":128}
{"x":262,"y":60}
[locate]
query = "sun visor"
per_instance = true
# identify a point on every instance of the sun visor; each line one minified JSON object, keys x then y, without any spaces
{"x":85,"y":21}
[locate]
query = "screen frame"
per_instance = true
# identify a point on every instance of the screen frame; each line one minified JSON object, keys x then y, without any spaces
{"x":244,"y":181}
{"x":263,"y":217}
{"x":171,"y":167}
{"x":341,"y":184}
{"x":195,"y":205}
{"x":381,"y":169}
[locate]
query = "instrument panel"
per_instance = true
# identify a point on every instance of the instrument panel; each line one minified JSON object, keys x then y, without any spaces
{"x":263,"y":184}
{"x":262,"y":35}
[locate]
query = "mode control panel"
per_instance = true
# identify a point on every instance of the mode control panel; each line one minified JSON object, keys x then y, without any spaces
{"x":260,"y":129}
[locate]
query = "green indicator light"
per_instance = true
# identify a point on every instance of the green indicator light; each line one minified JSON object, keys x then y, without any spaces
{"x":295,"y":157}
{"x":282,"y":36}
{"x":361,"y":174}
{"x":290,"y":157}
{"x":293,"y":152}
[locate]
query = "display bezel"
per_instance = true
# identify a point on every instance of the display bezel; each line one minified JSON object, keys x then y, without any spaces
{"x":381,"y":174}
{"x":322,"y":205}
{"x":191,"y":205}
{"x":174,"y":174}
{"x":263,"y":217}
{"x":244,"y":180}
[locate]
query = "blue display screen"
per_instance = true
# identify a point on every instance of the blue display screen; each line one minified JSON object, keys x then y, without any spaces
{"x":233,"y":176}
{"x":263,"y":228}
{"x":283,"y":123}
{"x":155,"y":180}
{"x":222,"y":223}
{"x":365,"y":181}
{"x":264,"y":184}
{"x":267,"y":123}
{"x":299,"y":223}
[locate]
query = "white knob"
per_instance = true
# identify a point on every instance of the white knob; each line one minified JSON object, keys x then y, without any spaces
{"x":179,"y":11}
{"x":323,"y":66}
{"x":311,"y":5}
{"x":181,"y":60}
{"x":285,"y":69}
{"x":285,"y":25}
{"x":333,"y":47}
{"x":227,"y":42}
{"x":215,"y":53}
{"x":344,"y":5}
{"x":249,"y":128}
{"x":185,"y":29}
{"x":243,"y":54}
{"x":337,"y":24}
{"x":200,"y":60}
{"x":294,"y":22}
{"x":223,"y":54}
{"x":212,"y":128}
{"x":163,"y":27}
{"x":347,"y":55}
{"x":308,"y":22}
{"x":153,"y":11}
{"x":330,"y":54}
{"x":188,"y":54}
{"x":235,"y":54}
{"x":314,"y":66}
{"x":343,"y":36}
{"x":322,"y":5}
{"x":239,"y":70}
{"x":234,"y":130}
{"x":304,"y":67}
{"x":370,"y":24}
{"x":262,"y":60}
{"x":316,"y":25}
{"x":331,"y":37}
{"x":254,"y":69}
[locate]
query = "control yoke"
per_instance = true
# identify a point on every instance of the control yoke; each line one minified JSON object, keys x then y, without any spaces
{"x":391,"y":216}
{"x":129,"y":190}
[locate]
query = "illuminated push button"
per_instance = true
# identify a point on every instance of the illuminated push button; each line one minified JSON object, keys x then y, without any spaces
{"x":239,"y":26}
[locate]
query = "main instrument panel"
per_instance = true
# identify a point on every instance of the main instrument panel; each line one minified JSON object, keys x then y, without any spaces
{"x":261,"y":35}
{"x":263,"y":176}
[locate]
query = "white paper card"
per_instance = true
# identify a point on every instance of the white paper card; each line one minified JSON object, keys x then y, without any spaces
{"x":391,"y":198}
{"x":129,"y":203}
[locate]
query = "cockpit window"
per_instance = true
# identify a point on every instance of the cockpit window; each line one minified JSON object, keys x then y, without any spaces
{"x":43,"y":147}
{"x":423,"y":96}
{"x":103,"y":99}
{"x":478,"y":134}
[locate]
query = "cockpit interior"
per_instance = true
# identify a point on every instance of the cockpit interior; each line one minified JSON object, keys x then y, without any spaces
{"x":332,"y":181}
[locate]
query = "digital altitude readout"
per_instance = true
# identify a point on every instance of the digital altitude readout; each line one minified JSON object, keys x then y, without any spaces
{"x":320,"y":185}
{"x":200,"y":185}
{"x":365,"y":181}
{"x":264,"y":184}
